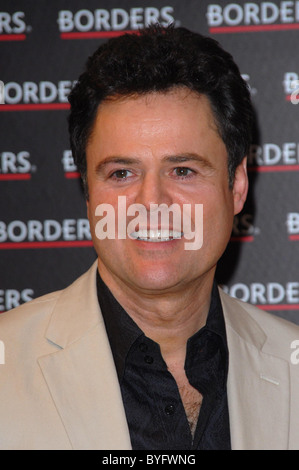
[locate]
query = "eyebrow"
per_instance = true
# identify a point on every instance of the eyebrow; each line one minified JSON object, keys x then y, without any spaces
{"x":120,"y":160}
{"x":181,"y":158}
{"x":187,"y":157}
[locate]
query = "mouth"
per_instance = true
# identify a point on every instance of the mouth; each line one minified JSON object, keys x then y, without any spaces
{"x":158,"y":235}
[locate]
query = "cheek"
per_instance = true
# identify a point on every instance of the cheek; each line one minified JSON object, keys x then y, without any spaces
{"x":97,"y":196}
{"x":218,"y":212}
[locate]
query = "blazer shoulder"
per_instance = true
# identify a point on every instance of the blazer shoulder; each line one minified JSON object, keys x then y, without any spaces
{"x":26,"y":313}
{"x":259,"y":314}
{"x":259,"y":327}
{"x":39,"y":310}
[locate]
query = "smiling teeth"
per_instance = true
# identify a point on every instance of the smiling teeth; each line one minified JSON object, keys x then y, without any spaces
{"x":156,"y":235}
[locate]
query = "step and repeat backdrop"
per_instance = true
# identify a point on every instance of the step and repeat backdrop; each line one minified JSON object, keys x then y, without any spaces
{"x":45,"y":241}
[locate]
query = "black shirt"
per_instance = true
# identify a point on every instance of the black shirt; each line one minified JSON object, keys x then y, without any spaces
{"x":154,"y":410}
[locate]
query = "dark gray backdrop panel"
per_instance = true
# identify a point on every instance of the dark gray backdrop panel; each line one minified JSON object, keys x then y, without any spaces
{"x":38,"y":187}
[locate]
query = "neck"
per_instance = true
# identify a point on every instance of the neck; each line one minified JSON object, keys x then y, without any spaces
{"x":168,"y":318}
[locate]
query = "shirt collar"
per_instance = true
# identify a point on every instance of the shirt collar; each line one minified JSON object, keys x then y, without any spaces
{"x":122,"y":331}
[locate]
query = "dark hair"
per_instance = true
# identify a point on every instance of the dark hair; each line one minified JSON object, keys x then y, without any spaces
{"x":158,"y":59}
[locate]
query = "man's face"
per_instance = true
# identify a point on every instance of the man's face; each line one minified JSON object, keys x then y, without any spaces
{"x":161,"y":149}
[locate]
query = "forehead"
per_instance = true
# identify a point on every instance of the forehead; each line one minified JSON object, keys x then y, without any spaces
{"x":176,"y":106}
{"x":178,"y":121}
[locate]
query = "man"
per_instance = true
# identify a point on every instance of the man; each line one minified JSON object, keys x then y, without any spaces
{"x":144,"y":351}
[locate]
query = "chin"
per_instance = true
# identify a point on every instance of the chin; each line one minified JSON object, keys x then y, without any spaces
{"x":157,"y":280}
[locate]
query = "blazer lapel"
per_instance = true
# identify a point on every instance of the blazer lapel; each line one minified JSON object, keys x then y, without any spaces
{"x":258,"y":384}
{"x":81,"y":375}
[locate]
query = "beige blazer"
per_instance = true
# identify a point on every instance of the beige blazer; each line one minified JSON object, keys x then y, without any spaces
{"x":59,"y":388}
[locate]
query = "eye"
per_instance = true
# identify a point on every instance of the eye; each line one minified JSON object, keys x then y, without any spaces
{"x":121,"y":174}
{"x":182,"y":171}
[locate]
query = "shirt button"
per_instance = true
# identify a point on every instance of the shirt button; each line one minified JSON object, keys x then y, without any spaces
{"x":148,"y":359}
{"x":169,"y":410}
{"x":143,"y":347}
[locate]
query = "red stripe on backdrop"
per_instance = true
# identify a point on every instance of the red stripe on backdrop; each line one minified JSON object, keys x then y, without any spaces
{"x":72,"y":174}
{"x":253,"y":28}
{"x":248,"y":238}
{"x":279,"y":307}
{"x":34,"y":106}
{"x":12,"y":37}
{"x":15,"y":176}
{"x":96,"y":34}
{"x":34,"y":245}
{"x":268,"y":168}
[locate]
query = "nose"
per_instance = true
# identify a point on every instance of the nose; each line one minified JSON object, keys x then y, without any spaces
{"x":153,"y":190}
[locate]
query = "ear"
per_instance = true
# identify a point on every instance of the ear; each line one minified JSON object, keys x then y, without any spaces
{"x":240,"y":187}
